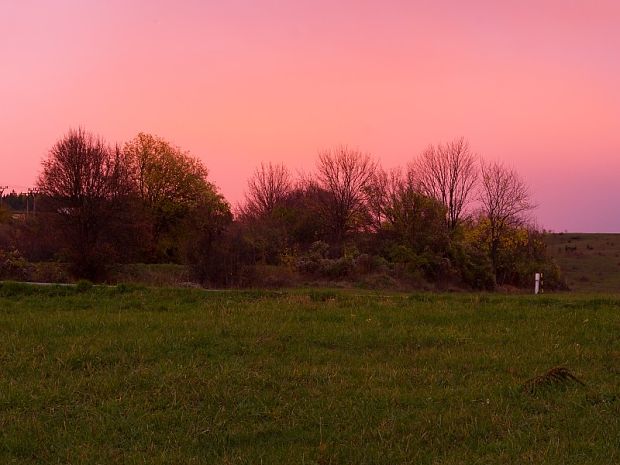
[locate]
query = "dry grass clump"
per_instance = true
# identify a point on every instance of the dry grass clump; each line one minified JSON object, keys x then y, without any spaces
{"x":557,"y":376}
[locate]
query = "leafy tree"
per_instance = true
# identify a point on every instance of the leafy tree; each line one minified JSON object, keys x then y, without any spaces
{"x":171,"y":184}
{"x":470,"y":258}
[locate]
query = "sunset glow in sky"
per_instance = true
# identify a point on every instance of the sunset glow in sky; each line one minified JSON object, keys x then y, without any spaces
{"x":535,"y":84}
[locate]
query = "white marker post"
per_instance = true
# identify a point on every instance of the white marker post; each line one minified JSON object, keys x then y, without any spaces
{"x":537,"y":282}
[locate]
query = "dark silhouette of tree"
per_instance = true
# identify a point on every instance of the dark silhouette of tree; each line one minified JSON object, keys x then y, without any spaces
{"x":213,"y":247}
{"x":83,"y":179}
{"x":505,"y":200}
{"x":152,"y":201}
{"x":448,"y":173}
{"x":383,"y":192}
{"x":344,"y":175}
{"x":406,"y":214}
{"x":15,"y":201}
{"x":268,"y":187}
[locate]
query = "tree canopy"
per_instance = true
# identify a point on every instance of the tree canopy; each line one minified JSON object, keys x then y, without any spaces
{"x":150,"y":201}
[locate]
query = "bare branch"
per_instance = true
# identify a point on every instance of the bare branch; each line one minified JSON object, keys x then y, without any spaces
{"x":505,"y":199}
{"x":269,"y":186}
{"x":345,"y":174}
{"x":448,"y":174}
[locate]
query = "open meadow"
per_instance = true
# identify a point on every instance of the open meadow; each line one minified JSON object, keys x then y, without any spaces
{"x":134,"y":375}
{"x":589,"y":262}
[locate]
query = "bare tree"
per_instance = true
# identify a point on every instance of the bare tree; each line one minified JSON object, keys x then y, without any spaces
{"x":377,"y":193}
{"x":448,"y":173}
{"x":81,"y":178}
{"x":384,"y":191}
{"x":79,"y":169}
{"x":400,"y":209}
{"x":505,"y":199}
{"x":344,"y":174}
{"x":269,"y":186}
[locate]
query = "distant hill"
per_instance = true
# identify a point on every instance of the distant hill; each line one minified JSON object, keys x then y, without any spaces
{"x":590,"y":262}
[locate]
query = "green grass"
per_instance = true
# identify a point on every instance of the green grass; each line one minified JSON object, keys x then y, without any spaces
{"x":163,"y":376}
{"x":152,"y":274}
{"x":590,"y":262}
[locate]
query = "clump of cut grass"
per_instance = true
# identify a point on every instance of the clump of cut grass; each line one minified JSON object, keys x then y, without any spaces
{"x":555,"y":377}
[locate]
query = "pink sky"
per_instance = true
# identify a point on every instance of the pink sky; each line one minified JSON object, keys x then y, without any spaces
{"x":535,"y":84}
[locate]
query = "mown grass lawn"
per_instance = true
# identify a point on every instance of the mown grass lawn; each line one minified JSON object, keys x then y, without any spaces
{"x":163,"y":376}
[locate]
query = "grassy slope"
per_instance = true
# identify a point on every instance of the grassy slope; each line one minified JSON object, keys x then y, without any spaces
{"x":187,"y":376}
{"x":590,"y":262}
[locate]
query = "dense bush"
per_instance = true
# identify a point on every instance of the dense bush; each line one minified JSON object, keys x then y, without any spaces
{"x":14,"y":267}
{"x":473,"y":266}
{"x":223,"y":258}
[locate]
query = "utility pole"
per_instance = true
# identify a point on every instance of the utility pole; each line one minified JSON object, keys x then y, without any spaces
{"x":34,"y":193}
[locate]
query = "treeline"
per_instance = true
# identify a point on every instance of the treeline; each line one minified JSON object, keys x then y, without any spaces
{"x":448,"y":218}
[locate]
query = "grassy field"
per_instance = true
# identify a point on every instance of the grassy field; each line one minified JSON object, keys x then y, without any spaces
{"x":590,"y":262}
{"x":164,"y":376}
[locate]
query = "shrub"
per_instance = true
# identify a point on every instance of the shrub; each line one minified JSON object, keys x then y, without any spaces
{"x":335,"y":268}
{"x":365,"y":264}
{"x":14,"y":266}
{"x":314,"y":263}
{"x":318,"y":250}
{"x":83,"y":285}
{"x":223,"y":259}
{"x":271,"y":276}
{"x":50,"y":272}
{"x":474,"y":267}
